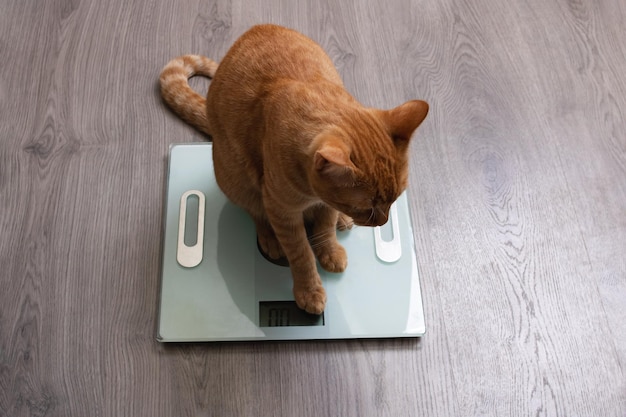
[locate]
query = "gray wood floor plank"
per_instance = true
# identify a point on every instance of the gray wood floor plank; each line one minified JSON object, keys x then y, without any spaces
{"x":517,"y":185}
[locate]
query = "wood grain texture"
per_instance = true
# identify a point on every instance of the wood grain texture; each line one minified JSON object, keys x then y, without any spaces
{"x":518,"y":185}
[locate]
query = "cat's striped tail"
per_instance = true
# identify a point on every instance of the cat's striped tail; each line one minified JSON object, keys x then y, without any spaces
{"x":179,"y":96}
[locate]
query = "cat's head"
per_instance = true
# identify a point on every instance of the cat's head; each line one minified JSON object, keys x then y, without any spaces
{"x":360,"y":166}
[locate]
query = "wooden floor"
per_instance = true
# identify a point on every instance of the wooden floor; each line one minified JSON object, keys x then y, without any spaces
{"x":518,"y":186}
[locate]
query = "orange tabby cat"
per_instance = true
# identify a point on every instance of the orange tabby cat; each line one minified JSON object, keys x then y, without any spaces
{"x":292,"y":146}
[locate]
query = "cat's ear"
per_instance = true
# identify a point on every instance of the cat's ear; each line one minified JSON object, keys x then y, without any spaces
{"x":403,"y":120}
{"x":332,"y":160}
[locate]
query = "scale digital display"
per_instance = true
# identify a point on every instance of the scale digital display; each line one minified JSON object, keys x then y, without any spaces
{"x":286,"y":313}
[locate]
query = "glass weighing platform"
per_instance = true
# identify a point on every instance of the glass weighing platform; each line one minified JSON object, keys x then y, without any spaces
{"x":217,"y":286}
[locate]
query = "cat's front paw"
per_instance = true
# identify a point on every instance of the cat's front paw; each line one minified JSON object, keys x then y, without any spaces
{"x":344,"y":222}
{"x":312,"y":300}
{"x":332,"y":257}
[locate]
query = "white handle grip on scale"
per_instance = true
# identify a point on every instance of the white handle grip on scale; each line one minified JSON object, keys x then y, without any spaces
{"x":389,"y":250}
{"x":190,"y":256}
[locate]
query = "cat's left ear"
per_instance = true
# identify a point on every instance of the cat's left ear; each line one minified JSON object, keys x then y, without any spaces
{"x":403,"y":120}
{"x":332,"y":160}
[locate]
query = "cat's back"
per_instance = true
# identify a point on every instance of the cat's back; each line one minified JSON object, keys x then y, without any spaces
{"x":264,"y":55}
{"x":270,"y":51}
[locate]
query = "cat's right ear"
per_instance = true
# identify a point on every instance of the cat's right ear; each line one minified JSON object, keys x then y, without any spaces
{"x":404,"y":119}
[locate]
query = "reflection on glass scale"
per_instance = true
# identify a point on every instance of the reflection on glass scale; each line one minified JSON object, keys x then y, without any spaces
{"x":217,"y":286}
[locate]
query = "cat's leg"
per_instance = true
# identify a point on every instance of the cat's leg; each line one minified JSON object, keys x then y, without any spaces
{"x":331,"y":255}
{"x":290,"y":230}
{"x":251,"y":199}
{"x":267,"y":238}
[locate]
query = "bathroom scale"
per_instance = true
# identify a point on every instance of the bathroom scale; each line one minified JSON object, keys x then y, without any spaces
{"x":216,"y":285}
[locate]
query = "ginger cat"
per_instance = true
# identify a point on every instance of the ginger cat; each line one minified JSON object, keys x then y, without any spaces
{"x":293,"y":147}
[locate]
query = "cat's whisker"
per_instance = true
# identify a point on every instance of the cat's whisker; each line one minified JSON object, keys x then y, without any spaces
{"x":320,"y":239}
{"x":319,"y":244}
{"x":319,"y":235}
{"x":372,"y":215}
{"x":386,"y":216}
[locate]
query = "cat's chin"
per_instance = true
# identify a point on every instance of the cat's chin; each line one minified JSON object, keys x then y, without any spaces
{"x":369,"y":223}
